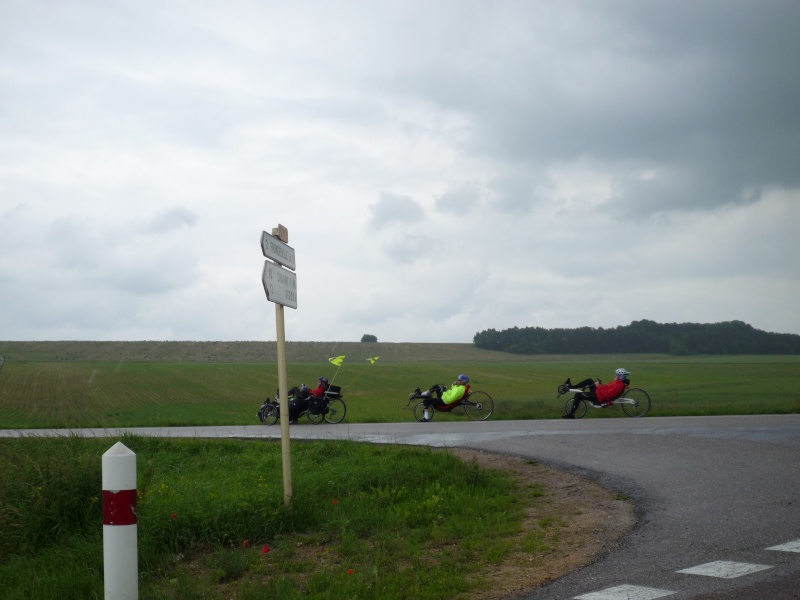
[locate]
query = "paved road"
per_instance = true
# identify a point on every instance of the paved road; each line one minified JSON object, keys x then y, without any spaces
{"x":718,"y":497}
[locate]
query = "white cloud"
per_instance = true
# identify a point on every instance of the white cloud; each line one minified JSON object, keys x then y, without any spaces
{"x":442,"y":169}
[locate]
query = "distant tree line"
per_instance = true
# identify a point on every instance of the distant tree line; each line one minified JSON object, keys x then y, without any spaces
{"x":732,"y":337}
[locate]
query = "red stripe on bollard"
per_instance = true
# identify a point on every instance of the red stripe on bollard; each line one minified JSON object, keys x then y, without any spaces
{"x":119,"y":508}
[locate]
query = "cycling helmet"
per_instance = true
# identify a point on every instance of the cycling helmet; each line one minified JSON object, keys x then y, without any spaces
{"x":622,"y":373}
{"x":324,"y":380}
{"x":463,"y":378}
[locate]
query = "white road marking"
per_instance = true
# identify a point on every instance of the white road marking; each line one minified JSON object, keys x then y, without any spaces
{"x":787,"y":547}
{"x":725,"y":569}
{"x":626,"y":592}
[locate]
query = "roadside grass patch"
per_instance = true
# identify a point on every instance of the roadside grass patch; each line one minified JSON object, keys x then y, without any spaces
{"x":365,"y":521}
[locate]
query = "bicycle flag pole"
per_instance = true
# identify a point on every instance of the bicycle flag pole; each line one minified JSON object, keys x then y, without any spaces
{"x":372,"y":360}
{"x":336,"y":360}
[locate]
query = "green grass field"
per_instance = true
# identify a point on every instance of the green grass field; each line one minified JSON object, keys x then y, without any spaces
{"x":366,"y":521}
{"x":183,"y":384}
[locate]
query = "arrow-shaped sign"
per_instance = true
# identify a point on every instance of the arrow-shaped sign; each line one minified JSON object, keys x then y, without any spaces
{"x":279,"y":284}
{"x":276,"y":250}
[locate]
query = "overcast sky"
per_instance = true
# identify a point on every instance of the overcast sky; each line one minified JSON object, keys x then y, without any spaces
{"x":443,"y":167}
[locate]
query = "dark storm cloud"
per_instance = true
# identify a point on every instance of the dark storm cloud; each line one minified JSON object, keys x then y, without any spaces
{"x":702,"y":96}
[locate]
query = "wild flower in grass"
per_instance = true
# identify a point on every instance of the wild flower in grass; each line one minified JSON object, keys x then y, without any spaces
{"x":335,"y":502}
{"x":174,"y":515}
{"x":265,"y":550}
{"x":245,"y":543}
{"x":349,"y":571}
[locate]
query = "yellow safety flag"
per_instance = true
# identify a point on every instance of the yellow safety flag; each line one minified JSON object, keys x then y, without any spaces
{"x":373,"y":359}
{"x":337,"y":360}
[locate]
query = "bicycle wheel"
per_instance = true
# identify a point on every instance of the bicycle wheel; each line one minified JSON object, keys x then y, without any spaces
{"x":316,"y":416}
{"x":419,"y":413}
{"x":640,"y":405}
{"x":337,"y":409}
{"x":479,"y":406}
{"x":268,"y":414}
{"x":582,"y":408}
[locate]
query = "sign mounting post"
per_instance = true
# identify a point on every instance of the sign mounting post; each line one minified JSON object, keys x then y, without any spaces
{"x":280,"y":286}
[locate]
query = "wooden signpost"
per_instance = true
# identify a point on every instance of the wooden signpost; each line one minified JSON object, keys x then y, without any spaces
{"x":280,"y":286}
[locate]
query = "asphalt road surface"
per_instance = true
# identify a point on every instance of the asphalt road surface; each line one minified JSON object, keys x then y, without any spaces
{"x":718,"y":497}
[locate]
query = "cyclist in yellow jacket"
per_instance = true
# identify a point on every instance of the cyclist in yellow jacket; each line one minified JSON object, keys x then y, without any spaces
{"x":445,"y":397}
{"x":457,"y":390}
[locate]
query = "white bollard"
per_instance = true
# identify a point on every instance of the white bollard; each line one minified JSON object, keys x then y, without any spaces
{"x":120,"y":540}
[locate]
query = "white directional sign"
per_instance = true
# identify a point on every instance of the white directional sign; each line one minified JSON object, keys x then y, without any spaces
{"x":276,"y":250}
{"x":279,"y":284}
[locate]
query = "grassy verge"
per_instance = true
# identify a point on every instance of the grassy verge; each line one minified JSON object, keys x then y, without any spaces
{"x":365,"y":522}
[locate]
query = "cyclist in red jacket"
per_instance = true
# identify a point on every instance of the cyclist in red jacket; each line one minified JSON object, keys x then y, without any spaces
{"x":597,"y":392}
{"x":301,"y":398}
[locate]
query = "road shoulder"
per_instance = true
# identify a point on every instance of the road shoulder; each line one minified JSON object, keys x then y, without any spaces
{"x":593,"y":520}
